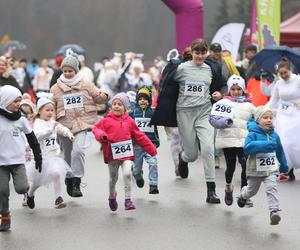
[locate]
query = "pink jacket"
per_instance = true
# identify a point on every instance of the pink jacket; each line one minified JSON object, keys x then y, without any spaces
{"x":77,"y":119}
{"x":116,"y":129}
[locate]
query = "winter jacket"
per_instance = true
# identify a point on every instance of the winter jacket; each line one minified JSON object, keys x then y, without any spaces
{"x":80,"y":118}
{"x":258,"y":98}
{"x":112,"y":129}
{"x":260,"y":141}
{"x":138,"y":112}
{"x":165,"y":112}
{"x":234,"y":135}
{"x":46,"y":133}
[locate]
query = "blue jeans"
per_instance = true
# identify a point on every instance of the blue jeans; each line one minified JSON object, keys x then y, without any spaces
{"x":137,"y":169}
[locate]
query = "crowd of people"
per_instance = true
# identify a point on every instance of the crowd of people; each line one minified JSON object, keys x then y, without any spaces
{"x":205,"y":100}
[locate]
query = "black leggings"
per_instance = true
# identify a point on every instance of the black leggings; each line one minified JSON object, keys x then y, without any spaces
{"x":230,"y":157}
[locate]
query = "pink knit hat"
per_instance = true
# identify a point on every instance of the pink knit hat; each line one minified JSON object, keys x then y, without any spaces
{"x":123,"y":98}
{"x":26,"y":100}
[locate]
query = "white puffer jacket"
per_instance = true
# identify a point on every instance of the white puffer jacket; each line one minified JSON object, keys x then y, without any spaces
{"x":236,"y":134}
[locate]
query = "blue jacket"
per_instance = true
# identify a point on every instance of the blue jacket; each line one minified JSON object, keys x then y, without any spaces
{"x":260,"y":141}
{"x":138,"y":112}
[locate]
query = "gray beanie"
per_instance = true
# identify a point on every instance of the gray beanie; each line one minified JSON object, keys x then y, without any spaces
{"x":260,"y":112}
{"x":71,"y":60}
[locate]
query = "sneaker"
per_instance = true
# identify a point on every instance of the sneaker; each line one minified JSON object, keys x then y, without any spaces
{"x":249,"y":203}
{"x":153,"y":189}
{"x":183,"y":168}
{"x":129,"y":205}
{"x":24,"y":203}
{"x":228,"y":195}
{"x":140,"y":183}
{"x":283,"y":177}
{"x":30,"y":202}
{"x":217,"y":162}
{"x":275,"y":218}
{"x":241,"y":202}
{"x":113,"y":204}
{"x":59,"y":203}
{"x":5,"y":222}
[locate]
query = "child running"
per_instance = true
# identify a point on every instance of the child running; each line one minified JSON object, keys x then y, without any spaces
{"x":54,"y":167}
{"x":12,"y":156}
{"x":230,"y":116}
{"x":27,"y":108}
{"x":142,"y":115}
{"x":116,"y":132}
{"x":263,"y":147}
{"x":75,"y":108}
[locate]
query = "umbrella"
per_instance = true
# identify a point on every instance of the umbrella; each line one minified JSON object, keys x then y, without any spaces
{"x":75,"y":48}
{"x":269,"y":57}
{"x":14,"y":45}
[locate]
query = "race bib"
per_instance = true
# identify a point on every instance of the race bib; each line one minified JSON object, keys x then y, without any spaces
{"x":122,"y":149}
{"x":266,"y":162}
{"x":286,"y":107}
{"x":194,"y":88}
{"x":221,"y":109}
{"x":144,"y":124}
{"x":73,"y":101}
{"x":50,"y":143}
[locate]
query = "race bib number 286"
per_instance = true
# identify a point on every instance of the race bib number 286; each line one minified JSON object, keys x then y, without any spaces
{"x":194,"y":88}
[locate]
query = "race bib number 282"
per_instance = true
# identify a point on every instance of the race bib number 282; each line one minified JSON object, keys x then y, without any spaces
{"x":72,"y":101}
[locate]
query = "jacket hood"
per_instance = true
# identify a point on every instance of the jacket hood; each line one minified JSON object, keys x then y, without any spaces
{"x":254,"y":127}
{"x":112,"y":115}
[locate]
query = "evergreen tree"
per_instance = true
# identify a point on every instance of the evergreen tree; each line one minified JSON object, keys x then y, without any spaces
{"x":222,"y":16}
{"x":242,"y":12}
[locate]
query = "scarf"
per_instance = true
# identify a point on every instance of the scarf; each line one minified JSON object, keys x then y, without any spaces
{"x":13,"y":116}
{"x":239,"y":99}
{"x":70,"y":82}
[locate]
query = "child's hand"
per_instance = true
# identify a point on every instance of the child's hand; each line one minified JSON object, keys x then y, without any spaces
{"x":105,"y":138}
{"x":104,"y":95}
{"x":71,"y":138}
{"x":216,"y":96}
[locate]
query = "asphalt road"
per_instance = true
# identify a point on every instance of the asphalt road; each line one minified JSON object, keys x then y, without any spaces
{"x":177,"y":218}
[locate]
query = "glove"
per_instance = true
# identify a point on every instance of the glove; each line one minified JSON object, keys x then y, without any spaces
{"x":38,"y":165}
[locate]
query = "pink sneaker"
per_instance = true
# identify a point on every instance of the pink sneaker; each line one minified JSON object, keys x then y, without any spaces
{"x":113,"y":204}
{"x":129,"y":205}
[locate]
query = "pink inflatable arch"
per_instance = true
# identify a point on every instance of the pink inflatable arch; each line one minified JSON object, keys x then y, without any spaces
{"x":189,"y":21}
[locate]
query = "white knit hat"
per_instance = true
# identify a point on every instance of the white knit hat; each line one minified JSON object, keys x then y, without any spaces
{"x":71,"y":60}
{"x":236,"y":80}
{"x":8,"y":94}
{"x":42,"y":102}
{"x":260,"y":111}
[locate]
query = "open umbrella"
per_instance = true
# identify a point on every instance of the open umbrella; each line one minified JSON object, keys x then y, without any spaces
{"x":14,"y":45}
{"x":75,"y":48}
{"x":269,"y":57}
